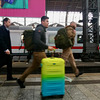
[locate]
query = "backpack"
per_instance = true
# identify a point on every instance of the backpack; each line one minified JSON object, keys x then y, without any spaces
{"x":61,"y":39}
{"x":28,"y":39}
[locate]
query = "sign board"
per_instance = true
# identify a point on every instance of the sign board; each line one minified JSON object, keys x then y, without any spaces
{"x":18,"y":4}
{"x":22,"y":8}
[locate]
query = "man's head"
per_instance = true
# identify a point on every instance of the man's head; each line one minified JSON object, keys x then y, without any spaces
{"x":73,"y":24}
{"x":44,"y":21}
{"x":6,"y":22}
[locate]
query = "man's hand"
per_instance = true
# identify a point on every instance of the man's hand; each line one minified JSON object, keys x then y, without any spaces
{"x":7,"y":52}
{"x":50,"y":48}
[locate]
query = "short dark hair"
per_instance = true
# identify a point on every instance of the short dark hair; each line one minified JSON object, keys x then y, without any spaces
{"x":5,"y":20}
{"x":43,"y":18}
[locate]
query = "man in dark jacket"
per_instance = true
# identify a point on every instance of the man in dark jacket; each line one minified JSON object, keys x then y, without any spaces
{"x":5,"y":48}
{"x":39,"y":49}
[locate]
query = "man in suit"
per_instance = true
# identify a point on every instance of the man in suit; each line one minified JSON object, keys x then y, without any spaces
{"x":5,"y":48}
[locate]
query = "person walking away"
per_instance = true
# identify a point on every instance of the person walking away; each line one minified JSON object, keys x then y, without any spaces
{"x":5,"y":48}
{"x":39,"y":50}
{"x":67,"y":54}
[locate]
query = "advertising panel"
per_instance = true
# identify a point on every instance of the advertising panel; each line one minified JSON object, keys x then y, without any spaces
{"x":19,"y":4}
{"x":22,"y":8}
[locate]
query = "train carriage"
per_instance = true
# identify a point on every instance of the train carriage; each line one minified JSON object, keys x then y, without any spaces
{"x":16,"y":32}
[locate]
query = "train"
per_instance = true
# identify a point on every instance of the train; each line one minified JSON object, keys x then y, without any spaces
{"x":78,"y":46}
{"x":18,"y":48}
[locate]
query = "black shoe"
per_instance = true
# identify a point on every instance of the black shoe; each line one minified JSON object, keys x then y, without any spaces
{"x":80,"y":73}
{"x":21,"y":83}
{"x":11,"y":79}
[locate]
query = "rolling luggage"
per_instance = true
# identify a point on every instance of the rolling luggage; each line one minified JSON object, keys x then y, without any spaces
{"x":52,"y":77}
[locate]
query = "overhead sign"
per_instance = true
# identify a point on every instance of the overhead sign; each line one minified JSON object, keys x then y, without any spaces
{"x":22,"y":8}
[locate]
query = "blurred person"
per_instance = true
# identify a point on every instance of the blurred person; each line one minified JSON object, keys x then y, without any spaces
{"x":39,"y":50}
{"x":67,"y":54}
{"x":5,"y":48}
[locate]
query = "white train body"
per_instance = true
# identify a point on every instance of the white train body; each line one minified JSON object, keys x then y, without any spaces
{"x":77,"y":48}
{"x":16,"y":33}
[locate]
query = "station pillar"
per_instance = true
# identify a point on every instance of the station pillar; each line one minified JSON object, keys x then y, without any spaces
{"x":90,"y":30}
{"x":66,"y":18}
{"x":24,"y":21}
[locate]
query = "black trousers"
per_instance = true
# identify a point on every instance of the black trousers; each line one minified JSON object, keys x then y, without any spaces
{"x":6,"y":60}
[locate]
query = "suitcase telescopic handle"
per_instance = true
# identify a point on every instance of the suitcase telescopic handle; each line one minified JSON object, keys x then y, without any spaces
{"x":52,"y":53}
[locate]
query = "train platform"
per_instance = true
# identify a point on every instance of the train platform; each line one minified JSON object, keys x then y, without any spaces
{"x":85,"y":67}
{"x":85,"y":87}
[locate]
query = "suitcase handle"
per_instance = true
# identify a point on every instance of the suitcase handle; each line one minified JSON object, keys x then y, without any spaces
{"x":52,"y":53}
{"x":55,"y":54}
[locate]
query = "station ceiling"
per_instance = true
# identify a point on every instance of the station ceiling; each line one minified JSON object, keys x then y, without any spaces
{"x":64,"y":5}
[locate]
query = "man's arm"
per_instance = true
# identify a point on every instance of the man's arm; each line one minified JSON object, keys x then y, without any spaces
{"x":3,"y":45}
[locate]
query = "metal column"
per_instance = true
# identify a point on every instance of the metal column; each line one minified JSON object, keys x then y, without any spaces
{"x":90,"y":30}
{"x":66,"y":18}
{"x":24,"y":21}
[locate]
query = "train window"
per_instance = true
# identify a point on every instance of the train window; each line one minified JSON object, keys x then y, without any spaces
{"x":51,"y":38}
{"x":79,"y":38}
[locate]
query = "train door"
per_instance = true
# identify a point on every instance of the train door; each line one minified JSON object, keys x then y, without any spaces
{"x":78,"y":46}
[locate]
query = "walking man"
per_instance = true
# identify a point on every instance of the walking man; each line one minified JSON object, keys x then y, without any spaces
{"x":39,"y":49}
{"x":5,"y":48}
{"x":67,"y":54}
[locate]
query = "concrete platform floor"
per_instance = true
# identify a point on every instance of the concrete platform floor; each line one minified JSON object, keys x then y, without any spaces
{"x":85,"y":87}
